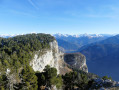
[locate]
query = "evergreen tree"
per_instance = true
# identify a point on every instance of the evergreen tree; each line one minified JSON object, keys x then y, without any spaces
{"x":49,"y":78}
{"x":29,"y":81}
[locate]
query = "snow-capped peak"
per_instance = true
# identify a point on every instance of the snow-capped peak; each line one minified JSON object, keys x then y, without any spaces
{"x":8,"y":35}
{"x":81,"y":35}
{"x":58,"y":35}
{"x":13,"y":35}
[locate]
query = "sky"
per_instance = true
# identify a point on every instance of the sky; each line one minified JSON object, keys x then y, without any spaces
{"x":59,"y":16}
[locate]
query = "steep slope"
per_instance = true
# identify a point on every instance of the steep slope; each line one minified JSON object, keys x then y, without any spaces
{"x":52,"y":57}
{"x":102,"y":57}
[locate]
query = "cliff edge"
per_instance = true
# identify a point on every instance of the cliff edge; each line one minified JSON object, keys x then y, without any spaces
{"x":76,"y":60}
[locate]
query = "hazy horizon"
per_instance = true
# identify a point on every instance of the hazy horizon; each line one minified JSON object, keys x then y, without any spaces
{"x":59,"y":34}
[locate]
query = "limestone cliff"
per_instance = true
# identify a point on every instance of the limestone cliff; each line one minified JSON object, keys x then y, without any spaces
{"x":51,"y":57}
{"x":76,"y":60}
{"x":55,"y":58}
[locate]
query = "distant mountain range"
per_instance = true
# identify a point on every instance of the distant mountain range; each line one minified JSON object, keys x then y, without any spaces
{"x":12,"y":35}
{"x":7,"y":36}
{"x":103,"y":57}
{"x":58,"y":35}
{"x":68,"y":47}
{"x":71,"y":43}
{"x":101,"y":51}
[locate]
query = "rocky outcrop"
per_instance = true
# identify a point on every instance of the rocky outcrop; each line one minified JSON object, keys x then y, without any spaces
{"x":52,"y":57}
{"x":55,"y":58}
{"x":104,"y":84}
{"x":76,"y":60}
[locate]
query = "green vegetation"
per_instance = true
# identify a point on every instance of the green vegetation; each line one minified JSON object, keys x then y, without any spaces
{"x":106,"y":77}
{"x":69,"y":81}
{"x":29,"y":79}
{"x":49,"y":78}
{"x":16,"y":73}
{"x":3,"y":82}
{"x":15,"y":54}
{"x":19,"y":50}
{"x":76,"y":79}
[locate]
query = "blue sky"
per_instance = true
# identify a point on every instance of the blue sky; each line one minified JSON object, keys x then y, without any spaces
{"x":59,"y":16}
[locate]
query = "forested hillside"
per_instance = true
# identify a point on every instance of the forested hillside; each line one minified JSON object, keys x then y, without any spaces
{"x":15,"y":55}
{"x":15,"y":71}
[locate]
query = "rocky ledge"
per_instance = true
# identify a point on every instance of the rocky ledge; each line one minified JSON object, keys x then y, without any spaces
{"x":76,"y":60}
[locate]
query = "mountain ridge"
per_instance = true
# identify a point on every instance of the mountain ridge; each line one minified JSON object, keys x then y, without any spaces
{"x":102,"y":57}
{"x":62,"y":35}
{"x":78,"y":41}
{"x":82,"y":35}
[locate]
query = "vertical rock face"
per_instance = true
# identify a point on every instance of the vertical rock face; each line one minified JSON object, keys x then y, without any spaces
{"x":47,"y":57}
{"x":76,"y":60}
{"x":55,"y":58}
